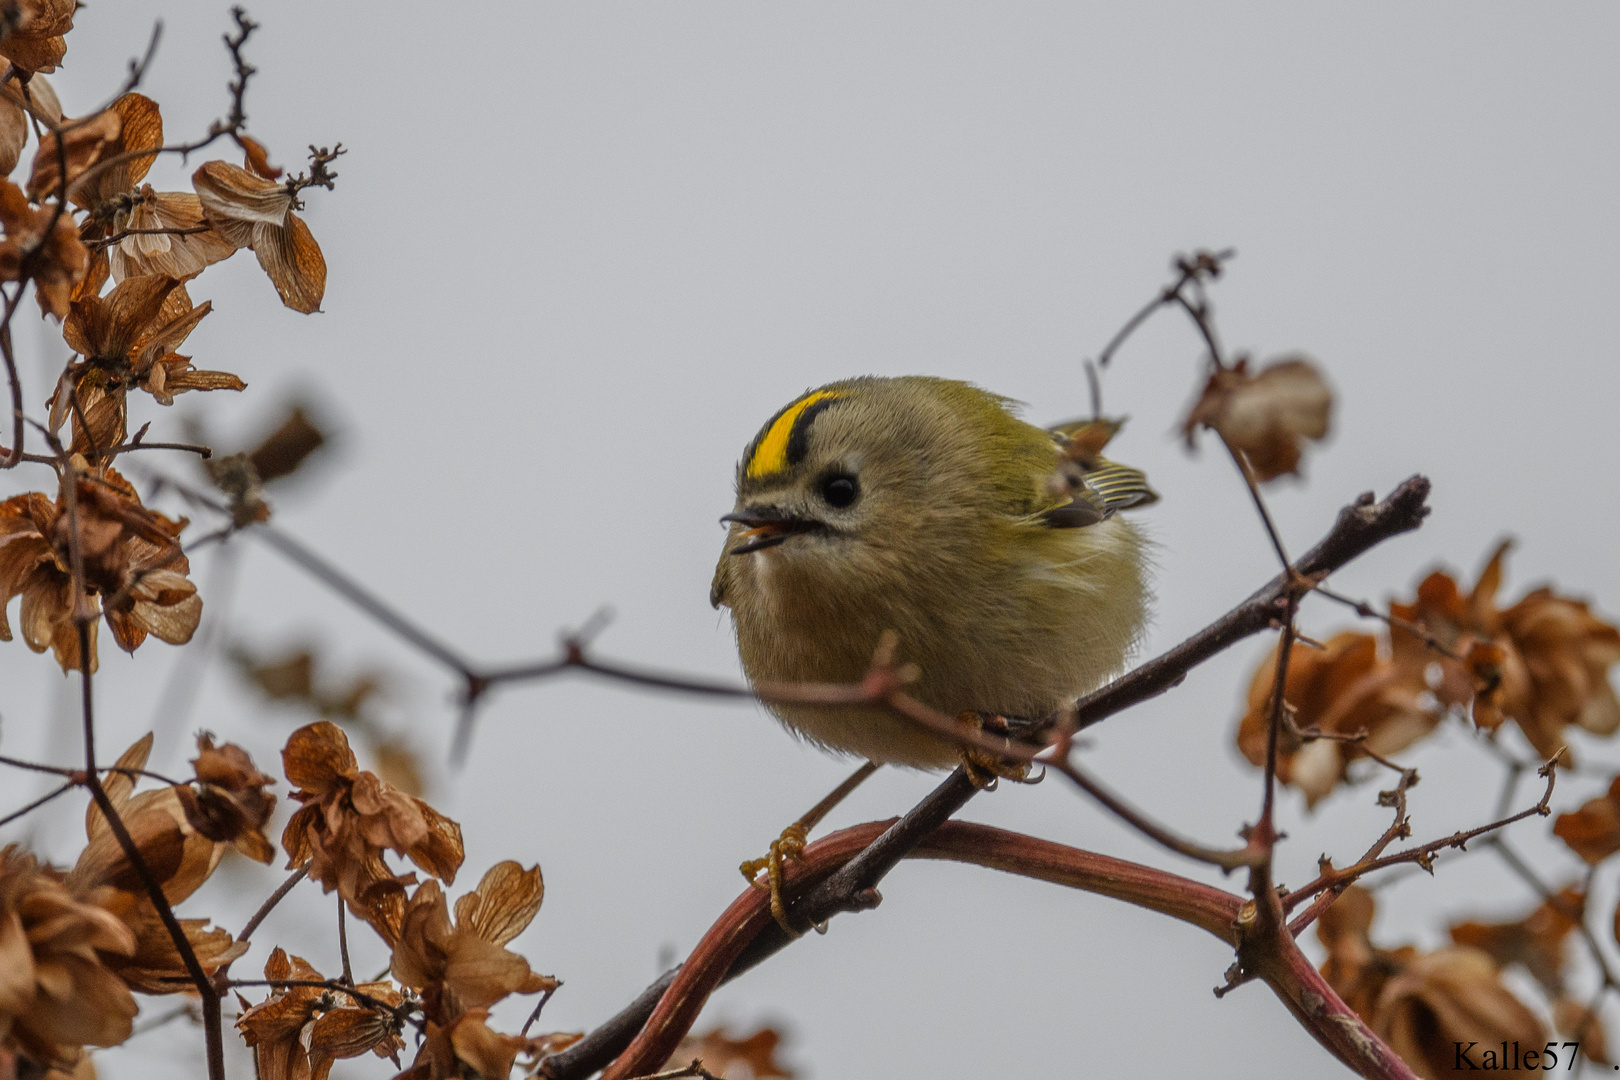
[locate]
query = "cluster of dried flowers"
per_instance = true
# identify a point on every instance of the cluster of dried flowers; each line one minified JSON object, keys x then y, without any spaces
{"x":1432,"y":1006}
{"x":74,"y":945}
{"x":1542,"y":663}
{"x":114,"y":260}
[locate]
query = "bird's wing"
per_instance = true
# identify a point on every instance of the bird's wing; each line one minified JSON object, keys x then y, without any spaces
{"x":1092,"y":487}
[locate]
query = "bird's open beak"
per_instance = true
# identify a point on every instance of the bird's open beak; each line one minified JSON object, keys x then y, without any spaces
{"x":767,"y":527}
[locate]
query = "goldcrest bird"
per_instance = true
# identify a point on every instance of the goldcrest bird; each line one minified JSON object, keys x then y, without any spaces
{"x":991,"y":548}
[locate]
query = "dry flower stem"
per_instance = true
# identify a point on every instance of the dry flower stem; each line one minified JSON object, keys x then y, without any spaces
{"x":212,"y":1026}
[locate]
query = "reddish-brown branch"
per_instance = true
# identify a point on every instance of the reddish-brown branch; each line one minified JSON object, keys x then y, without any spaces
{"x":1324,"y":1014}
{"x":713,"y":959}
{"x":1289,"y":974}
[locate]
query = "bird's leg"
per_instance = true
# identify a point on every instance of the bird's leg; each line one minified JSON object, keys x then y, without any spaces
{"x":792,"y":841}
{"x":983,"y":768}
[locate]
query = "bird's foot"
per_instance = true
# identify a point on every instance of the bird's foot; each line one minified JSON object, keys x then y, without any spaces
{"x":787,"y":846}
{"x":984,"y":769}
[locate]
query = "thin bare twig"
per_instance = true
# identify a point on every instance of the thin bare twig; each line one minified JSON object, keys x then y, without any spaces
{"x":39,"y":802}
{"x":275,"y":898}
{"x":1331,"y":881}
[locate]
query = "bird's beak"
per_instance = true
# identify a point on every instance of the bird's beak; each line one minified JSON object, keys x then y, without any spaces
{"x":767,"y":527}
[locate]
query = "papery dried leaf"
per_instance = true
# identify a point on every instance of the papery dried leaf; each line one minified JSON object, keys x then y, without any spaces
{"x":230,"y":804}
{"x":42,"y":246}
{"x":489,"y":1053}
{"x":140,"y":129}
{"x":294,"y":263}
{"x":1593,"y":831}
{"x":81,"y":144}
{"x":35,"y":38}
{"x":317,"y":758}
{"x":287,"y":447}
{"x":1265,"y":416}
{"x":156,"y":966}
{"x":1342,"y":688}
{"x":234,"y":200}
{"x":721,"y":1052}
{"x":164,"y":239}
{"x":1536,"y":941}
{"x":57,"y":992}
{"x":257,"y":158}
{"x":504,"y":903}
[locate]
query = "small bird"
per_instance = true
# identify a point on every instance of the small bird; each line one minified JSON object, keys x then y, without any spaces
{"x":991,"y":549}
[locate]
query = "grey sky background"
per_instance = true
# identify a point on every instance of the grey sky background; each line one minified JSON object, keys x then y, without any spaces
{"x":578,"y":253}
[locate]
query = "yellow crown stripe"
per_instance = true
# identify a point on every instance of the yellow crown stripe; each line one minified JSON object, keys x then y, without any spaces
{"x":770,"y":455}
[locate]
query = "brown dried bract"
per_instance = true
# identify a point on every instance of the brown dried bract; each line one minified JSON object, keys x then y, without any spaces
{"x":350,"y":817}
{"x":1265,"y":416}
{"x":1344,"y":689}
{"x":251,"y":211}
{"x":34,"y":36}
{"x":1593,"y":831}
{"x":133,"y":565}
{"x":168,"y":235}
{"x":98,"y":170}
{"x":1535,"y":941}
{"x":720,"y":1052}
{"x":465,"y":965}
{"x":229,"y":803}
{"x":56,"y":991}
{"x":18,"y":93}
{"x":299,"y":1031}
{"x":41,"y":246}
{"x":72,"y":150}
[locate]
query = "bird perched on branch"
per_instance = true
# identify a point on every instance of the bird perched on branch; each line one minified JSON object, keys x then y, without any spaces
{"x":991,"y":550}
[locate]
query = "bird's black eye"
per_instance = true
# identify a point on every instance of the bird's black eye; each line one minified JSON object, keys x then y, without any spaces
{"x":840,"y":490}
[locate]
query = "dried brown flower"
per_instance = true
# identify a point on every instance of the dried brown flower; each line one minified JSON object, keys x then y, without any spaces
{"x":299,"y":1031}
{"x":132,"y":564}
{"x":251,"y":211}
{"x":127,"y":339}
{"x":56,"y":992}
{"x":1542,"y":663}
{"x":1424,"y":1005}
{"x":55,"y":261}
{"x":1568,"y":652}
{"x":179,"y":857}
{"x":131,"y":125}
{"x":350,"y":817}
{"x":1453,"y":998}
{"x":230,"y":804}
{"x":168,"y":235}
{"x":34,"y":32}
{"x":14,"y":119}
{"x":1265,"y":416}
{"x":465,"y":965}
{"x":1345,"y":689}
